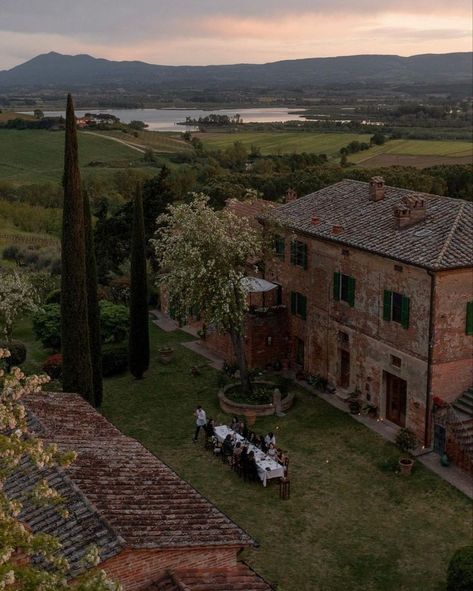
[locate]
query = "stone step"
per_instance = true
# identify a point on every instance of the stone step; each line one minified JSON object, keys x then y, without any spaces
{"x":467,"y":396}
{"x":464,"y":406}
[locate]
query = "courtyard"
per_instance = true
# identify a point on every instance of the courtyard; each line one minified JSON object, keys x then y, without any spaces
{"x":351,"y":522}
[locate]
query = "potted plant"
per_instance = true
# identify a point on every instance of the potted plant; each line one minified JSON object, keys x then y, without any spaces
{"x":406,"y":441}
{"x":165,"y":354}
{"x":354,"y":402}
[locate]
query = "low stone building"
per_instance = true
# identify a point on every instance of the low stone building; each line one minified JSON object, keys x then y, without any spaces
{"x":378,"y":284}
{"x":154,"y":532}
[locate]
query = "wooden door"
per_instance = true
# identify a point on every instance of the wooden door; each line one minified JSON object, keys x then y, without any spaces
{"x":396,"y":395}
{"x":344,"y":381}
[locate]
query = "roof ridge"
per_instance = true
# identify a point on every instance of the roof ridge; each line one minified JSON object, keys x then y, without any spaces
{"x":451,"y":233}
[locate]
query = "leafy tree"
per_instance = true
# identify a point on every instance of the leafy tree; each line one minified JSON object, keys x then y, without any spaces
{"x":77,"y":367}
{"x":138,"y":125}
{"x":93,"y":310}
{"x":17,"y":297}
{"x":139,"y":330}
{"x":460,"y":570}
{"x":38,"y":114}
{"x":204,"y":256}
{"x":18,"y":444}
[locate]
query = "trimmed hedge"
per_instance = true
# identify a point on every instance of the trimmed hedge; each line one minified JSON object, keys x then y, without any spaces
{"x":114,"y":359}
{"x":460,"y":570}
{"x":17,"y":352}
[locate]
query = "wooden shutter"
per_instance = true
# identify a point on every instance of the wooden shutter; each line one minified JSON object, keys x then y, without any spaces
{"x":469,"y":318}
{"x":293,"y":302}
{"x":336,"y":286}
{"x":405,"y":312}
{"x":304,"y":254}
{"x":387,"y":305}
{"x":302,"y":307}
{"x":293,"y":253}
{"x":351,"y":291}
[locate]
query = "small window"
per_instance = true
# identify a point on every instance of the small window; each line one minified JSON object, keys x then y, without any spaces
{"x":469,"y":318}
{"x":344,"y":288}
{"x":398,"y":268}
{"x":396,"y":308}
{"x":299,"y":253}
{"x":299,"y":352}
{"x":395,"y":361}
{"x":298,"y":305}
{"x":279,"y":247}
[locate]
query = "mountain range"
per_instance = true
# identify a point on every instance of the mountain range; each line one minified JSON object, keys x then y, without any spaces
{"x":57,"y":70}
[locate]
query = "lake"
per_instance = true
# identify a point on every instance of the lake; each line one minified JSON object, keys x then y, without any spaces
{"x":167,"y":119}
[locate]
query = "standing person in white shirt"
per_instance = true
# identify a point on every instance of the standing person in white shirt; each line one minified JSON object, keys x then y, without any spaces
{"x":200,"y":421}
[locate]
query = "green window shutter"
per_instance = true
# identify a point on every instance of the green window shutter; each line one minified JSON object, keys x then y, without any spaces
{"x":351,"y":291}
{"x":303,"y":307}
{"x":387,"y":305}
{"x":293,"y":253}
{"x":293,"y":302}
{"x":469,"y":318}
{"x":405,"y":312}
{"x":304,"y":256}
{"x":336,"y":286}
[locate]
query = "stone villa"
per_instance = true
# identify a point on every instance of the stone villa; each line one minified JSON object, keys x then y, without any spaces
{"x":154,"y":532}
{"x":373,"y":290}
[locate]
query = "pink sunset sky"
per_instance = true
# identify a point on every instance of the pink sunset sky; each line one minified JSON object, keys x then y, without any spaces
{"x":199,"y":32}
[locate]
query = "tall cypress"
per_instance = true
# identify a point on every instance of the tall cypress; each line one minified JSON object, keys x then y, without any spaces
{"x":139,"y":331}
{"x":76,"y":364}
{"x":93,"y":309}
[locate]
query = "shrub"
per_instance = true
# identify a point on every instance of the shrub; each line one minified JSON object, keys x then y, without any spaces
{"x":406,"y":440}
{"x":114,"y":359}
{"x":114,"y":322}
{"x":17,"y":352}
{"x":53,"y":366}
{"x":10,"y":253}
{"x":54,"y":297}
{"x":460,"y":570}
{"x":47,"y":326}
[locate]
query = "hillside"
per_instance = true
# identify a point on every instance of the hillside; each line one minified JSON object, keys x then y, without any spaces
{"x":54,"y":69}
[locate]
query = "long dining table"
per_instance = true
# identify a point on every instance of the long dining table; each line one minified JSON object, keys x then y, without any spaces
{"x":266,"y":466}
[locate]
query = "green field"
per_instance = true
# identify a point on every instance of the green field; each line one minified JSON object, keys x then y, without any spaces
{"x":450,"y":149}
{"x":30,"y":156}
{"x":351,"y":523}
{"x":159,"y":142}
{"x":282,"y":142}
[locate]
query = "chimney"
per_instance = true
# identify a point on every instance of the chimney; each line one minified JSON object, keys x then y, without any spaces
{"x":376,"y":188}
{"x":410,"y":211}
{"x":291,"y":195}
{"x":337,"y":229}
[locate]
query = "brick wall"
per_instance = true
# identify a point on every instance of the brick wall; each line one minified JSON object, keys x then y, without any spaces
{"x":136,"y":569}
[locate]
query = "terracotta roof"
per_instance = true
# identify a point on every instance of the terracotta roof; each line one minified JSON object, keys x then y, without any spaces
{"x":443,"y":240}
{"x":145,"y":503}
{"x":250,"y":209}
{"x":238,"y":578}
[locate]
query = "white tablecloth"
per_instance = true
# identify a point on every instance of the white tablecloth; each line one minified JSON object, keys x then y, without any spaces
{"x":267,"y":467}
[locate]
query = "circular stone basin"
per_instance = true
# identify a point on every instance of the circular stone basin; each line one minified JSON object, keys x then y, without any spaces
{"x":248,"y":409}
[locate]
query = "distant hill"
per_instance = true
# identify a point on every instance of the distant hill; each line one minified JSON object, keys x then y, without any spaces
{"x":57,"y":70}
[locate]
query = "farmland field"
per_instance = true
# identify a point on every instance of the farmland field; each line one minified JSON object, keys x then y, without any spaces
{"x":159,"y":142}
{"x":282,"y":142}
{"x":37,"y":155}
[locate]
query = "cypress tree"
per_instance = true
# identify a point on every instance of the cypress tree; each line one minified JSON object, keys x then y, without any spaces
{"x":139,"y":333}
{"x":76,"y":363}
{"x":93,"y":310}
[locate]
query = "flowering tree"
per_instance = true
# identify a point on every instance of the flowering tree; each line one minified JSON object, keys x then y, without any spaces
{"x":204,"y":256}
{"x":17,"y":543}
{"x":17,"y":297}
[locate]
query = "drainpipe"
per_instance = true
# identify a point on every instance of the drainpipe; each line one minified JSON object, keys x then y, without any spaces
{"x":428,"y":413}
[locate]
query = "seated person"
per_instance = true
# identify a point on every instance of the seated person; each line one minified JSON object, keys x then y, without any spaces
{"x":234,"y":424}
{"x":261,"y":443}
{"x":209,"y":428}
{"x":272,"y":451}
{"x":237,"y":450}
{"x":270,"y":439}
{"x":252,"y":437}
{"x":242,"y":429}
{"x":227,"y":447}
{"x":251,"y":468}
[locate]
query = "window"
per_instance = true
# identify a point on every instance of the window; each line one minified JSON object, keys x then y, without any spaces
{"x":280,"y":247}
{"x":469,"y":318}
{"x":344,"y":288}
{"x":299,"y":351}
{"x":299,"y":254}
{"x":298,"y":305}
{"x":396,"y":308}
{"x":396,"y":361}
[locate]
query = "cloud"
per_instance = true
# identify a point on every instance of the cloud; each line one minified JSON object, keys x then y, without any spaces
{"x":229,"y":31}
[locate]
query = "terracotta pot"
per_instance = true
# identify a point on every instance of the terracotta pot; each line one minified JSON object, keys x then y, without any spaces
{"x":165,"y":355}
{"x":405,"y":466}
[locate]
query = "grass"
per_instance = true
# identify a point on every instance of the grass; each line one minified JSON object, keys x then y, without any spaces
{"x":452,"y":149}
{"x":284,"y":142}
{"x":157,"y":141}
{"x":351,"y":522}
{"x":38,"y":155}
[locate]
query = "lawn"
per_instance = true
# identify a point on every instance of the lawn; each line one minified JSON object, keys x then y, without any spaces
{"x":351,"y":522}
{"x":284,"y":142}
{"x":38,"y":155}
